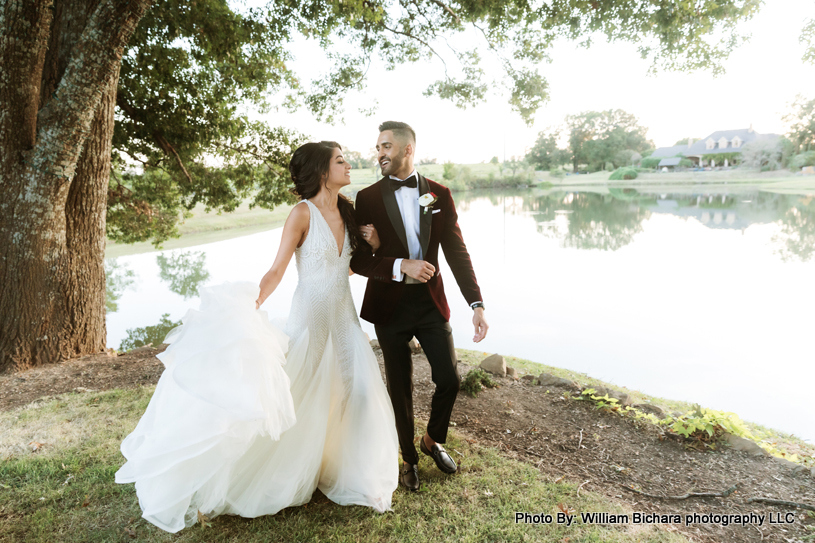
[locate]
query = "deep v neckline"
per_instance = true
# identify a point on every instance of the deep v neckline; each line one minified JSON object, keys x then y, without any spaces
{"x":333,"y":236}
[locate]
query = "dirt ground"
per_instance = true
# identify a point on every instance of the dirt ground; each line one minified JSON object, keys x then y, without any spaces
{"x":565,"y":439}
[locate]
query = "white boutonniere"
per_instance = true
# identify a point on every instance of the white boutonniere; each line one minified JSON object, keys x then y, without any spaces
{"x":427,"y":200}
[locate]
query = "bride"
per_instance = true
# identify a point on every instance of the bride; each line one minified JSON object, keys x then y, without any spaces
{"x":239,"y":426}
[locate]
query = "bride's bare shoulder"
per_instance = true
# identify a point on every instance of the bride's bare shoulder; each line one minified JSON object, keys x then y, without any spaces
{"x":299,"y":216}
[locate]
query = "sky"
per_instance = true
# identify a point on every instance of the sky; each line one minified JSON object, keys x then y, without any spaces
{"x":762,"y":78}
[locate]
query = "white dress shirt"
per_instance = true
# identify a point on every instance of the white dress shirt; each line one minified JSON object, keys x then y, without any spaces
{"x":407,"y":199}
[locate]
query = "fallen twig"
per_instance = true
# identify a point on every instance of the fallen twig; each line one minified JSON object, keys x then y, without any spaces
{"x":580,"y":443}
{"x":581,"y":486}
{"x":771,"y":501}
{"x":687,"y":495}
{"x":759,"y":531}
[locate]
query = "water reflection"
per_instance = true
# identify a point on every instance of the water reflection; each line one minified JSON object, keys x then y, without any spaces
{"x":183,"y":271}
{"x":608,"y":218}
{"x":796,"y":240}
{"x":139,"y":337}
{"x":117,"y":279}
{"x":591,"y":221}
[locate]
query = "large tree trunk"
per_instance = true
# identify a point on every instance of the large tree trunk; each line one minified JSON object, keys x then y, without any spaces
{"x":56,"y":115}
{"x":83,"y":282}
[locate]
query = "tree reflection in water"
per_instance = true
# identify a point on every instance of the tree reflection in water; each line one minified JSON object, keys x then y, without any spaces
{"x":184,"y":271}
{"x":592,"y":221}
{"x":139,"y":337}
{"x":796,"y":240}
{"x":117,"y":279}
{"x":610,"y":218}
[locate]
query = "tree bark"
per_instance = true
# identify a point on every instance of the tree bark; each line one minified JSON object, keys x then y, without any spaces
{"x":56,"y":120}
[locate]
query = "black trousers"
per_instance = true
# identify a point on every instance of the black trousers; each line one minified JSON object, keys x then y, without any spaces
{"x":417,"y":315}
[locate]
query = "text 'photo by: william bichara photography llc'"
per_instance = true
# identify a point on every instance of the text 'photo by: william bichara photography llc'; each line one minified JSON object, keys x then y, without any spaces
{"x":368,"y":270}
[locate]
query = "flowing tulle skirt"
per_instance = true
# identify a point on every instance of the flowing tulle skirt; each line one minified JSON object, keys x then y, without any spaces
{"x":231,"y":430}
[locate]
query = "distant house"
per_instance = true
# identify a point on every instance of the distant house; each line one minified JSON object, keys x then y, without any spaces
{"x":720,"y":148}
{"x":672,"y":162}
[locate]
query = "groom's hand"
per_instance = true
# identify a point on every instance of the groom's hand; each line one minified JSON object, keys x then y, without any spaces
{"x":418,"y":269}
{"x":480,"y":324}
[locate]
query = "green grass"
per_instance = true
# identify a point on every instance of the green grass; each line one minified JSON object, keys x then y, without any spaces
{"x":66,"y":492}
{"x":783,"y":441}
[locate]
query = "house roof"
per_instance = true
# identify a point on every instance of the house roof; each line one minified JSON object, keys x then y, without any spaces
{"x":744,"y":134}
{"x":669,"y":151}
{"x":674,"y":161}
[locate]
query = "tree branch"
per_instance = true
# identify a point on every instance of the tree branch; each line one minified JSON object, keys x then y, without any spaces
{"x":686,"y":495}
{"x":138,"y":115}
{"x":771,"y":501}
{"x":411,"y":36}
{"x":446,"y":8}
{"x":167,"y":147}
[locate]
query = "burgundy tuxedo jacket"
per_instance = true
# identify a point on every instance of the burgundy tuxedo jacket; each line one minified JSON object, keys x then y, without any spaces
{"x":438,"y":226}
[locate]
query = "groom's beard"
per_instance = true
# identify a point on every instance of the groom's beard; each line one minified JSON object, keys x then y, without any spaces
{"x":393,"y":166}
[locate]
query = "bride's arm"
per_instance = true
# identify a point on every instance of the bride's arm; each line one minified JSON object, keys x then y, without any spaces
{"x":294,"y":233}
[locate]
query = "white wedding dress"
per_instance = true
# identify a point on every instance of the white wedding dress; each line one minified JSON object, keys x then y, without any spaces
{"x":237,"y":426}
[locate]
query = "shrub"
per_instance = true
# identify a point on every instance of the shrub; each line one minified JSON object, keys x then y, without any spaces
{"x":762,"y":154}
{"x":807,"y":158}
{"x":475,"y":381}
{"x":449,"y":171}
{"x":650,"y":162}
{"x":686,"y":163}
{"x":623,"y":173}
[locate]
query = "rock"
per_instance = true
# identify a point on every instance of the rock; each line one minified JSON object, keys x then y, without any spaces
{"x":528,"y":377}
{"x":745,"y":445}
{"x":494,"y":364}
{"x":621,"y":397}
{"x":649,"y":408}
{"x":549,"y":380}
{"x":414,"y":346}
{"x":511,"y":372}
{"x":375,"y":344}
{"x":800,"y":470}
{"x":787,"y":464}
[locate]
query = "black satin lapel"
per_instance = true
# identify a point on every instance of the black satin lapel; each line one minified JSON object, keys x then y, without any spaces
{"x":425,"y":219}
{"x":392,"y":208}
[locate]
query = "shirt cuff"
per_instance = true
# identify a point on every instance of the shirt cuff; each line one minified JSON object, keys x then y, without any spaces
{"x":397,"y":270}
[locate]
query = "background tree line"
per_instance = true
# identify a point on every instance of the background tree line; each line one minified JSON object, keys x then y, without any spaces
{"x":596,"y":140}
{"x":606,"y":140}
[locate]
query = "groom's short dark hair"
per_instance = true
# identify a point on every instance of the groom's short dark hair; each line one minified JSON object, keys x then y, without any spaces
{"x":402,"y":131}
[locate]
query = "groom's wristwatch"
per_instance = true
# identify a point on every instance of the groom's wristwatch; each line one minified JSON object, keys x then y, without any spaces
{"x":477,"y":304}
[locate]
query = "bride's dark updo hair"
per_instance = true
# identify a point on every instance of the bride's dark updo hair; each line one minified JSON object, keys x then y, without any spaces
{"x":309,"y":169}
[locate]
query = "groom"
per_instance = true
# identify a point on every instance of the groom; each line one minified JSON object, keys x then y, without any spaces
{"x":404,"y":298}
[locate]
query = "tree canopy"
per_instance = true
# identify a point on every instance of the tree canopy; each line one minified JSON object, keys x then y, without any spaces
{"x":802,"y":124}
{"x":193,"y":71}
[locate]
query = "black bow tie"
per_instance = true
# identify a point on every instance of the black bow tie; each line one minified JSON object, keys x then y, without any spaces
{"x":410,"y":182}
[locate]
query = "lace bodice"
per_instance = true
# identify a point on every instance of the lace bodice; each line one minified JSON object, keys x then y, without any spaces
{"x":322,"y":305}
{"x":319,"y":260}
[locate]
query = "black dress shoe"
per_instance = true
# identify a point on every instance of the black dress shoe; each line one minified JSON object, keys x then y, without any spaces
{"x":409,"y":476}
{"x":443,"y":460}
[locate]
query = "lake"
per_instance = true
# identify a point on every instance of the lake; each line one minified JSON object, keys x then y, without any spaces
{"x":694,"y":293}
